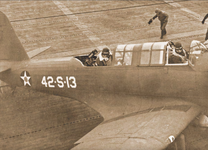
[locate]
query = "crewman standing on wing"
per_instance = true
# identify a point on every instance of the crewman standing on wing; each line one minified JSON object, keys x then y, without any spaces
{"x":205,"y":17}
{"x":163,"y":17}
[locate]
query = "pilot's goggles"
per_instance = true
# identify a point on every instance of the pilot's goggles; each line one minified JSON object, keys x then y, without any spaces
{"x":180,"y":48}
{"x":105,"y":53}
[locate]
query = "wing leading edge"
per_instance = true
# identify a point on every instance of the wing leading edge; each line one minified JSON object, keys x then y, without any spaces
{"x":151,"y":129}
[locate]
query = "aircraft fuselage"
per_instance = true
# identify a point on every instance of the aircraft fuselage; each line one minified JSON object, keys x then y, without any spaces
{"x":90,"y":84}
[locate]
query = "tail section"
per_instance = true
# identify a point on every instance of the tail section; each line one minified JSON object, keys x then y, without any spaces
{"x":11,"y":48}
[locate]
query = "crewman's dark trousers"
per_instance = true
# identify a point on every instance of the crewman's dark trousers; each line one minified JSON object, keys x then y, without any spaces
{"x":162,"y":27}
{"x":206,"y":38}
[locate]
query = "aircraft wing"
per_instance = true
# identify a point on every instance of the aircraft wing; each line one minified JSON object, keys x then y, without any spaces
{"x":151,"y":129}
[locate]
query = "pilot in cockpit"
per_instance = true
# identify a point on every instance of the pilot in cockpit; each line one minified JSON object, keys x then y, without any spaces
{"x":176,"y":53}
{"x":104,"y":58}
{"x":91,"y":59}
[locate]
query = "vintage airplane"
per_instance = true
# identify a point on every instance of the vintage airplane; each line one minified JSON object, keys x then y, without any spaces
{"x":144,"y":102}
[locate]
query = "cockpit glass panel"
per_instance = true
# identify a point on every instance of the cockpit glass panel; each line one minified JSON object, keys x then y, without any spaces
{"x":197,"y":47}
{"x":147,"y":46}
{"x":157,"y":57}
{"x":145,"y":58}
{"x":120,"y":47}
{"x":118,"y":58}
{"x":129,"y":47}
{"x":127,"y":58}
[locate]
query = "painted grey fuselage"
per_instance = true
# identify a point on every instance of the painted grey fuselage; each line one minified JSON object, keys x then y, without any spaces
{"x":101,"y":86}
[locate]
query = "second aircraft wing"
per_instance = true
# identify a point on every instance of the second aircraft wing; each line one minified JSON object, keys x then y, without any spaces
{"x":151,"y":129}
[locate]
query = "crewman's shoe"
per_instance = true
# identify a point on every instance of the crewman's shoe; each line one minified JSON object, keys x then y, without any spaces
{"x":161,"y":37}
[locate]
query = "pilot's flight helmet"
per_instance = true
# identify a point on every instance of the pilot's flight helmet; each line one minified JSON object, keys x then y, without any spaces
{"x":178,"y":45}
{"x":106,"y":51}
{"x":94,"y":51}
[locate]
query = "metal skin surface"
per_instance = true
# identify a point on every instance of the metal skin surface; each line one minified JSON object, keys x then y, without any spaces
{"x":110,"y":83}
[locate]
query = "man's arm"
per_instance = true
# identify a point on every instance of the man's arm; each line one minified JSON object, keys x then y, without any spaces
{"x":183,"y":58}
{"x":154,"y":17}
{"x":150,"y":21}
{"x":204,"y":18}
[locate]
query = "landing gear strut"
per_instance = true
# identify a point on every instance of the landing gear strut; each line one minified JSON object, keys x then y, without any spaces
{"x":178,"y":144}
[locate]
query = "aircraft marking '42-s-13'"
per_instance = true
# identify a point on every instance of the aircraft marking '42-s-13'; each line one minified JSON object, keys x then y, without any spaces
{"x":145,"y":100}
{"x":59,"y":81}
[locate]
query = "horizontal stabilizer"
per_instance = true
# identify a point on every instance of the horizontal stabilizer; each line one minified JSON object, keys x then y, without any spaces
{"x":37,"y":51}
{"x":3,"y":84}
{"x":5,"y":65}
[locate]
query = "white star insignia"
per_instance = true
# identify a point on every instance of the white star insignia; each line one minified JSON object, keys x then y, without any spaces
{"x":26,"y":79}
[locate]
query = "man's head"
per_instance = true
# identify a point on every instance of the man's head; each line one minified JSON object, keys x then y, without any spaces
{"x":178,"y":47}
{"x":158,"y":11}
{"x":106,"y":52}
{"x":93,"y":53}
